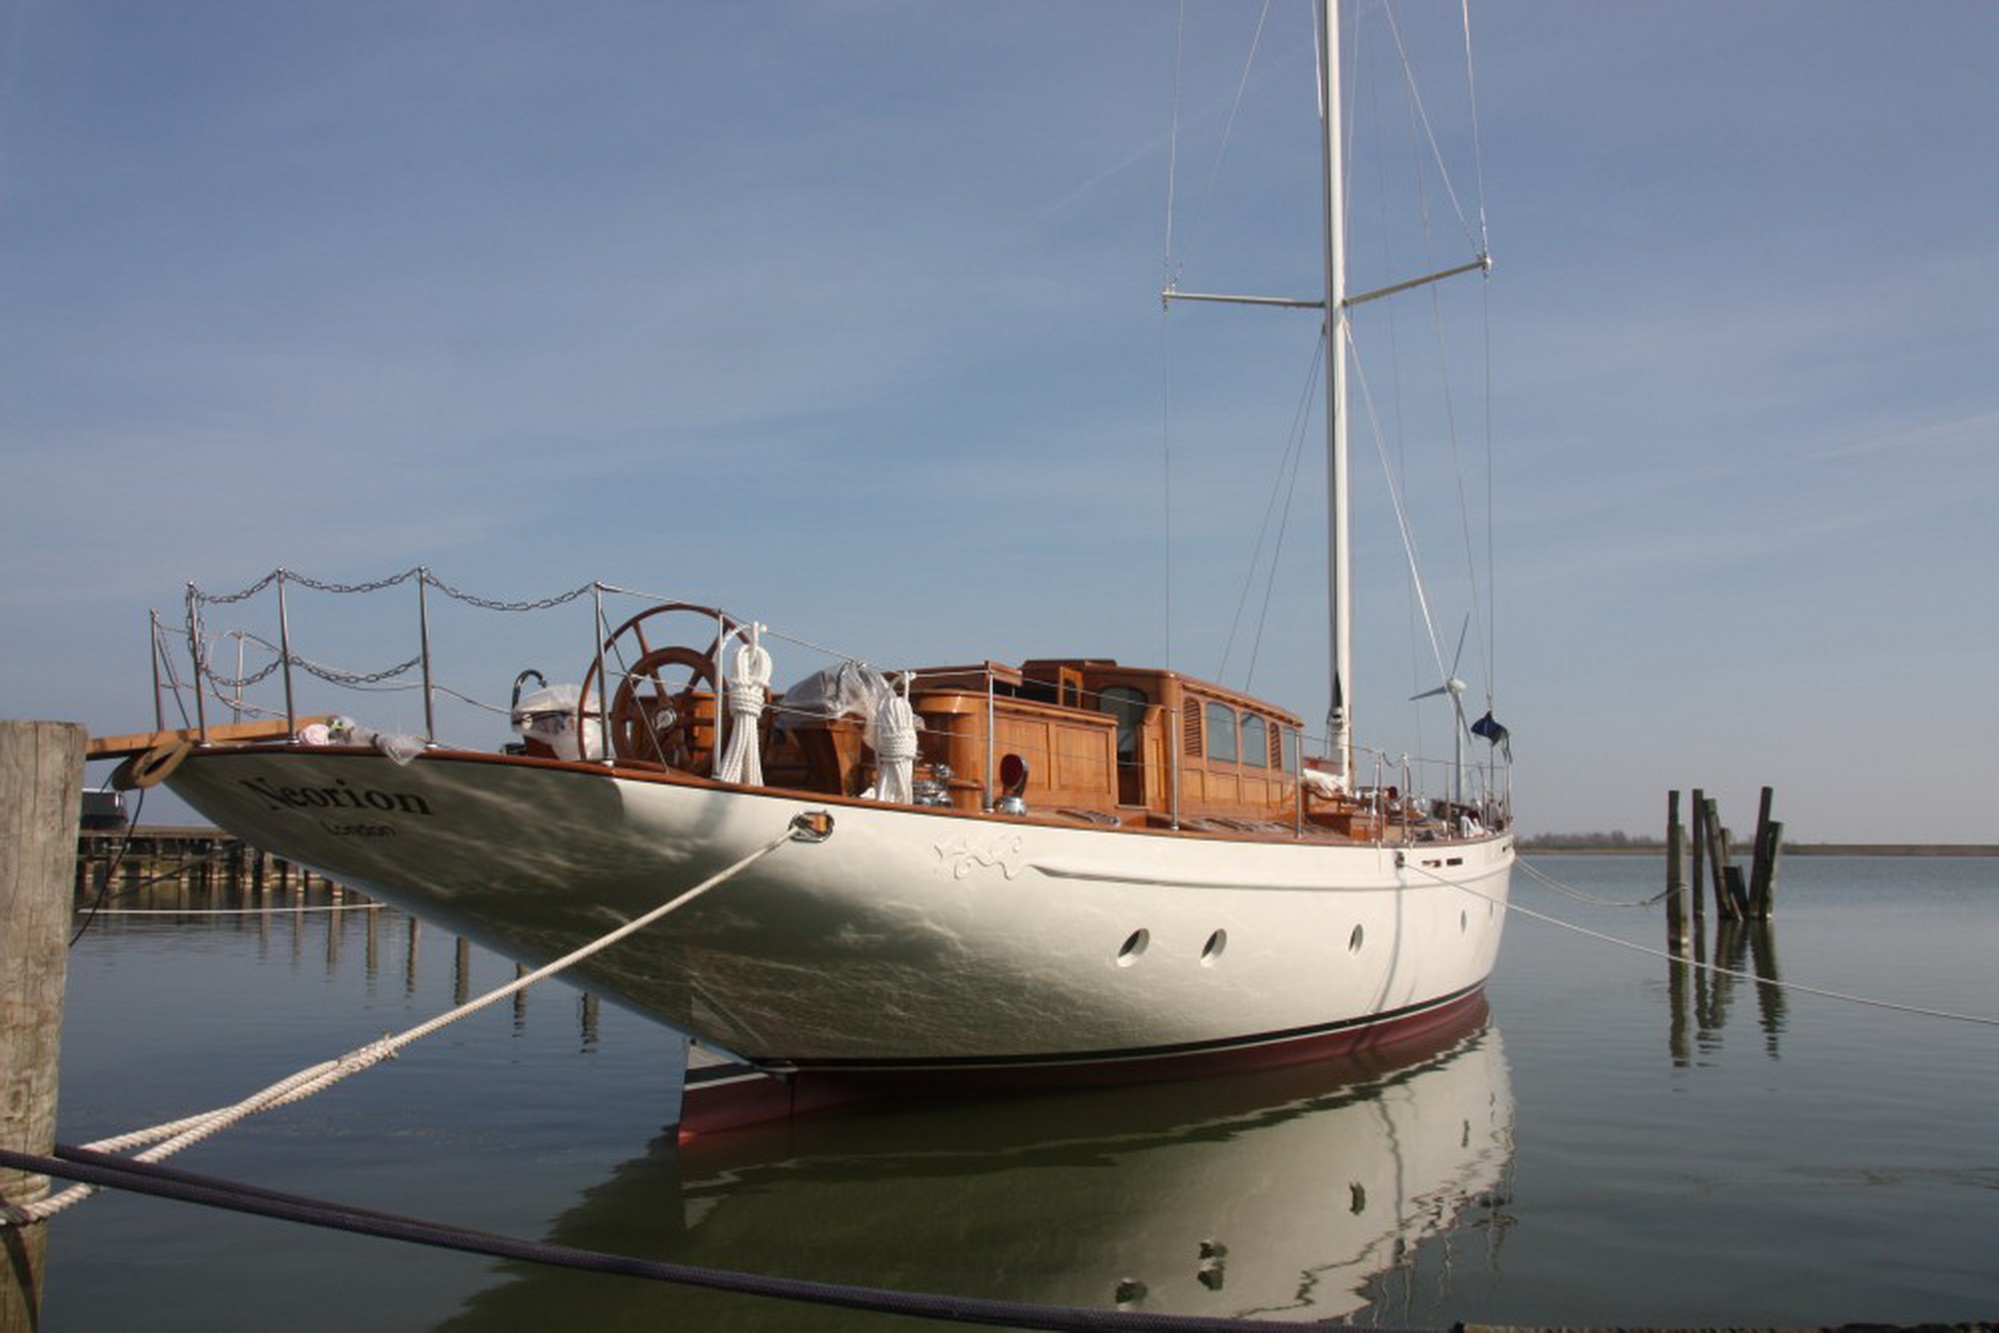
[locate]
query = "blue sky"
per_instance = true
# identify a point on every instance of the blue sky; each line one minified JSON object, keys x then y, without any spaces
{"x":844,"y":315}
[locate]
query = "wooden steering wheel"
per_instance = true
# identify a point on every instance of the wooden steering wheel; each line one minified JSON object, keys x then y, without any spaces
{"x":653,"y":712}
{"x":665,"y":707}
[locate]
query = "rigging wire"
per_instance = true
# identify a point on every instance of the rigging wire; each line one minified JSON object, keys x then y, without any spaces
{"x":1484,"y":248}
{"x":1235,"y":109}
{"x":1283,"y":486}
{"x":1477,"y":137}
{"x":1422,"y":118}
{"x":1393,"y":482}
{"x":1172,"y":267}
{"x":1284,"y":518}
{"x":1426,"y":154}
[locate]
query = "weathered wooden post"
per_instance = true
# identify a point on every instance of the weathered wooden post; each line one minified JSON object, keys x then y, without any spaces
{"x":1717,"y":851}
{"x":1676,"y":883}
{"x":41,"y":794}
{"x":1700,"y":856}
{"x":1769,"y":847}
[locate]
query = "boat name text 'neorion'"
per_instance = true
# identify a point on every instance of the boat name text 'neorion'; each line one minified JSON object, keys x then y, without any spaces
{"x":339,"y":796}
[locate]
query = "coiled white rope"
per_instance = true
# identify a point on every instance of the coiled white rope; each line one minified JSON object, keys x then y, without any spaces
{"x":749,"y":689}
{"x":170,"y":1138}
{"x":895,"y":747}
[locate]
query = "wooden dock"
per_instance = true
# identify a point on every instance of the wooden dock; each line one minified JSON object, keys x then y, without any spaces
{"x":196,"y":860}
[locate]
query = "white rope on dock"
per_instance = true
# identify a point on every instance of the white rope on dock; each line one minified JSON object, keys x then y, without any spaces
{"x":170,"y":1138}
{"x":1714,"y":968}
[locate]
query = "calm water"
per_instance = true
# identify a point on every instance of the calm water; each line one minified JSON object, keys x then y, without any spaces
{"x":1611,"y":1148}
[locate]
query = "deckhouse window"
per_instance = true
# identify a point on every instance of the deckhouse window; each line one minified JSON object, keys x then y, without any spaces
{"x":1287,"y":749}
{"x":1221,"y":733}
{"x":1128,"y":706}
{"x":1255,"y":741}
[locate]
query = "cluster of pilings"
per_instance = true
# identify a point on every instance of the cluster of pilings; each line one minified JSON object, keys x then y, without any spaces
{"x":1734,"y":898}
{"x":197,"y":861}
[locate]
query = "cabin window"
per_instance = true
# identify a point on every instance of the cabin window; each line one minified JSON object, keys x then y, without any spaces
{"x":1069,"y":687}
{"x":1128,"y":706}
{"x":1255,"y":741}
{"x":1287,"y":749}
{"x":1221,"y":733}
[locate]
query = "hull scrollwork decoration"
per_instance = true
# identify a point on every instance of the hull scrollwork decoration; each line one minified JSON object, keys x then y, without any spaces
{"x":1003,"y":853}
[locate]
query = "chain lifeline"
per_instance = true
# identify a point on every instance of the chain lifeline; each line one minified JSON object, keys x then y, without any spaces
{"x":197,"y":599}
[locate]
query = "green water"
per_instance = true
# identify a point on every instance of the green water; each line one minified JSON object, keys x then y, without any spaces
{"x":1614,"y":1147}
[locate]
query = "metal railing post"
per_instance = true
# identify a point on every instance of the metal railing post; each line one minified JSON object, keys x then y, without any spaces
{"x":284,"y":651}
{"x":195,"y":652}
{"x":153,"y":644}
{"x":423,"y":634}
{"x":603,"y":686}
{"x":722,"y":721}
{"x":1297,"y":782}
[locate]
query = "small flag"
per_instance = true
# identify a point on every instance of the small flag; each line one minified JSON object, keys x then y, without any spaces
{"x":1488,"y":727}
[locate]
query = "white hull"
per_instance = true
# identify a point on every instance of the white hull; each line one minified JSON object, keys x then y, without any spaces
{"x":912,"y":939}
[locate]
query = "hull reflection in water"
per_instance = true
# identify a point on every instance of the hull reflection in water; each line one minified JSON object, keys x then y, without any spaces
{"x":1286,"y":1195}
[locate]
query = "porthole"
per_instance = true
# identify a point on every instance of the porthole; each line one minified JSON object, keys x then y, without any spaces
{"x":1354,"y":940}
{"x":1134,"y":945}
{"x":1212,"y":950}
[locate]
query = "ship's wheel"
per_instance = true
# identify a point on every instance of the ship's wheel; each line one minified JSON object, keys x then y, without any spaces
{"x":663,"y":707}
{"x":654,"y":711}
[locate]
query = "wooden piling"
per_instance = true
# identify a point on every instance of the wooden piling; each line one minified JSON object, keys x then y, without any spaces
{"x":1717,"y":852}
{"x":41,"y":795}
{"x":1769,"y":847}
{"x":1676,"y":885}
{"x":1700,"y":856}
{"x":1738,"y":890}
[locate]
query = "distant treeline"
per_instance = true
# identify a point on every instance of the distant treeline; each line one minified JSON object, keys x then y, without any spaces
{"x":1620,"y":841}
{"x":1616,"y":841}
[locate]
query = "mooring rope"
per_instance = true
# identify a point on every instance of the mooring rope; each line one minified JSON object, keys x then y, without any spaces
{"x":1715,"y":968}
{"x":170,"y":1138}
{"x":102,"y":1170}
{"x":1569,"y":890}
{"x":111,"y":869}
